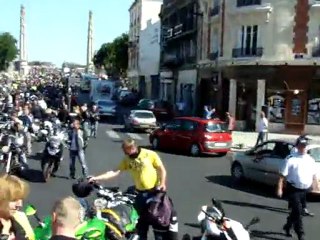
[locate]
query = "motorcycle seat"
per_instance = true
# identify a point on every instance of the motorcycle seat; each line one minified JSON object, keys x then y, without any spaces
{"x":113,"y":189}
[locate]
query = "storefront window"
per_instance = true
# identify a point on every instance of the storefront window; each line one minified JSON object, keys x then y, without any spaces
{"x":314,"y":103}
{"x":276,"y":104}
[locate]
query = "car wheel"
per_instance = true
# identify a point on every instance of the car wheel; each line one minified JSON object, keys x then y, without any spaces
{"x":155,"y":143}
{"x":195,"y":150}
{"x":237,"y":172}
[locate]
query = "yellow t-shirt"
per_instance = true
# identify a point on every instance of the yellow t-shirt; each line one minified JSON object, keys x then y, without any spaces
{"x":143,"y":169}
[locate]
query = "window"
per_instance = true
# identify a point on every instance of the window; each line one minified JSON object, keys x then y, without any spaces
{"x":248,"y":42}
{"x":188,"y":126}
{"x":265,"y":148}
{"x":215,"y":127}
{"x":315,"y":153}
{"x":144,"y":115}
{"x":314,"y":103}
{"x":215,"y":40}
{"x":243,"y":3}
{"x":174,"y":125}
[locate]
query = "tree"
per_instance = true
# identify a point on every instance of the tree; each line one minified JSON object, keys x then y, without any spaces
{"x":113,"y":56}
{"x":8,"y":50}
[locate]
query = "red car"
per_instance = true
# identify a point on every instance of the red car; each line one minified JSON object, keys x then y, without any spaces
{"x":194,"y":135}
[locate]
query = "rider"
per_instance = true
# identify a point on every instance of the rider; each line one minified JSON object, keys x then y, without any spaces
{"x":149,"y":174}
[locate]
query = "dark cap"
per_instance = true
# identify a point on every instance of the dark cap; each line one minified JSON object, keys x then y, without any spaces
{"x":82,"y":189}
{"x":302,"y":140}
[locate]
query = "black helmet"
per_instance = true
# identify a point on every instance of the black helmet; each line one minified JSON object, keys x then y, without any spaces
{"x":303,"y":140}
{"x":82,"y":189}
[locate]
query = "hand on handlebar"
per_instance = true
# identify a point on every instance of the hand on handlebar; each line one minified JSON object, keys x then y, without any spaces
{"x":92,"y":180}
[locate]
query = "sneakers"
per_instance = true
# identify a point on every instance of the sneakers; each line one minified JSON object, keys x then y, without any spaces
{"x":287,"y":230}
{"x":305,"y":212}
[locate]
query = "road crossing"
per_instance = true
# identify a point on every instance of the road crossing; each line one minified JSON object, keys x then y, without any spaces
{"x":122,"y":135}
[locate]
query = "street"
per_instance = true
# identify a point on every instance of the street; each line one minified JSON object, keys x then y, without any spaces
{"x":192,"y":182}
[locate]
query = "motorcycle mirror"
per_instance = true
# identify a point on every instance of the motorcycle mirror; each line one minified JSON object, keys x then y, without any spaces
{"x":30,"y":210}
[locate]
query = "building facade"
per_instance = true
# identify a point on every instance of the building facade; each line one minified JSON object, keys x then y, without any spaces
{"x":262,"y":55}
{"x":144,"y":49}
{"x":178,"y":72}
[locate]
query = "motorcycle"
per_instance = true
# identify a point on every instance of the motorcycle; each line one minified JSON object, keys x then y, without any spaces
{"x":52,"y":154}
{"x":216,"y":226}
{"x":89,"y":229}
{"x":13,"y":156}
{"x":111,"y":206}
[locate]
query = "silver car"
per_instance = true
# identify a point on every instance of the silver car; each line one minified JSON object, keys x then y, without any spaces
{"x":263,"y":162}
{"x":140,"y":119}
{"x":106,"y":108}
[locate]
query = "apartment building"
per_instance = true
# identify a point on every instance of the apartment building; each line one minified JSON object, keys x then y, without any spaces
{"x":262,"y":54}
{"x":178,"y":72}
{"x":144,"y":47}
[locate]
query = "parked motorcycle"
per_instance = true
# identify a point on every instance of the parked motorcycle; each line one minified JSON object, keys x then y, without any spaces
{"x":216,"y":226}
{"x":52,"y":154}
{"x":112,"y":206}
{"x":13,"y":157}
{"x":89,"y":229}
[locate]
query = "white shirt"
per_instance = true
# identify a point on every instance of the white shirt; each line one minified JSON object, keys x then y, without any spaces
{"x":299,"y":170}
{"x":263,"y":125}
{"x":43,"y":104}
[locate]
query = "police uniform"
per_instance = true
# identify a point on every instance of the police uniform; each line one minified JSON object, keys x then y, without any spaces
{"x":299,"y":170}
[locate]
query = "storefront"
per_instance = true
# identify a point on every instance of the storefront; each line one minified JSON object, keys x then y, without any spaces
{"x":290,"y":93}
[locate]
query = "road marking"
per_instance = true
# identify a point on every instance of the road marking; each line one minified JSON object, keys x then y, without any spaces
{"x":134,"y":136}
{"x":112,"y":134}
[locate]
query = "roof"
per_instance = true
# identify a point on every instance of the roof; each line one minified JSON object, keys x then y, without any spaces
{"x":201,"y":120}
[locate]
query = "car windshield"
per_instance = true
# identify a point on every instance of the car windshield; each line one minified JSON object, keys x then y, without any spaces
{"x":215,"y":127}
{"x":105,"y":104}
{"x":315,"y":153}
{"x":143,"y":115}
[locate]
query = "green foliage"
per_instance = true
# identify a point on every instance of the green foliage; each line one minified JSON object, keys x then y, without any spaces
{"x":113,"y":56}
{"x":8,"y":50}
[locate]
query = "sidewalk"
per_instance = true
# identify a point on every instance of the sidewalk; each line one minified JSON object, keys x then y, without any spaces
{"x":248,"y":139}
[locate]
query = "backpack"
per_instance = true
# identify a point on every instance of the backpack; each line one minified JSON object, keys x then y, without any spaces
{"x":160,"y":209}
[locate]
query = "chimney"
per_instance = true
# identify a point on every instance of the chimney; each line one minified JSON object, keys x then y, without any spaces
{"x":90,"y":44}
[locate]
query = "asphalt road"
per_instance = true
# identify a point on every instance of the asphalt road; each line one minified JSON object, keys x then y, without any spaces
{"x":192,"y":182}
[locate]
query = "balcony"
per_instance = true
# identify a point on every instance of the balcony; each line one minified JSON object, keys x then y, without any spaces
{"x":215,"y":11}
{"x":213,"y":56}
{"x":316,"y":52}
{"x":246,"y":3}
{"x":242,"y":53}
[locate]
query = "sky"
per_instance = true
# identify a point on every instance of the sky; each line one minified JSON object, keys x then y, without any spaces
{"x":56,"y":30}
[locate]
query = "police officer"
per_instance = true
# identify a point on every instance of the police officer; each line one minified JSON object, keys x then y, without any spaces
{"x":300,"y":175}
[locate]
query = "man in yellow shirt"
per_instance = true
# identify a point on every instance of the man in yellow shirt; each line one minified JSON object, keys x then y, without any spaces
{"x":148,"y":173}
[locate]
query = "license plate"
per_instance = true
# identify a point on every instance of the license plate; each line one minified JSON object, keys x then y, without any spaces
{"x":144,"y":126}
{"x":220,"y":144}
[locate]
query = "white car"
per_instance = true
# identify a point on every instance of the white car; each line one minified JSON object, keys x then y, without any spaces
{"x":140,"y":119}
{"x":263,"y":162}
{"x":106,"y":108}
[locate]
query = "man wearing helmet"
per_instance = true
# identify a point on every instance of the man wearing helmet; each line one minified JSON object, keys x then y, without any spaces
{"x":300,"y":173}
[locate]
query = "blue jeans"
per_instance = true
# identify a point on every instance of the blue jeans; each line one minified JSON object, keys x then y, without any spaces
{"x":94,"y":129}
{"x":81,"y":156}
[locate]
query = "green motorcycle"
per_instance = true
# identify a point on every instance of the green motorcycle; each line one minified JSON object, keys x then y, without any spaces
{"x":110,"y":217}
{"x":89,"y":229}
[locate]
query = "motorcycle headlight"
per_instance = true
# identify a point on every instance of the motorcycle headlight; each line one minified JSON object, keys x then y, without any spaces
{"x":5,"y":149}
{"x":100,"y":204}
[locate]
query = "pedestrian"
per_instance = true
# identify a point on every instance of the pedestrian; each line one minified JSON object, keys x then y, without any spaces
{"x":66,"y":217}
{"x":78,"y":144}
{"x":230,"y":122}
{"x":299,"y":171}
{"x":94,"y":121}
{"x":149,"y":175}
{"x":209,"y":112}
{"x":262,"y":128}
